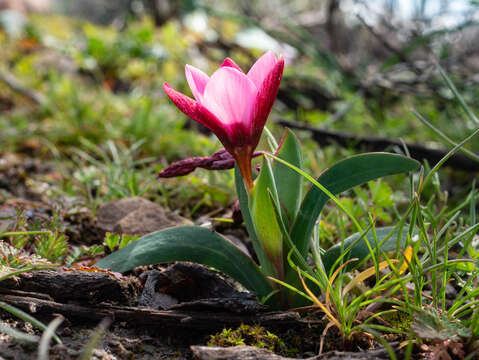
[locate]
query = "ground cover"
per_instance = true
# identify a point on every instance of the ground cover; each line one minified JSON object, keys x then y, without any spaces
{"x":83,"y":136}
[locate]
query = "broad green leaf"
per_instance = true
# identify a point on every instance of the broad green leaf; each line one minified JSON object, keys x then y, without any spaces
{"x":266,"y":266}
{"x":360,"y":248}
{"x":264,"y":218}
{"x":288,"y":181}
{"x":340,"y":177}
{"x":190,"y":243}
{"x":292,"y":256}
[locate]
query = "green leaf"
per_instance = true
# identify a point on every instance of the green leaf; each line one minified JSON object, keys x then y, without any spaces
{"x":289,"y":182}
{"x":340,"y":177}
{"x":360,"y":248}
{"x":264,"y":218}
{"x":430,"y":324}
{"x":266,"y":266}
{"x":190,"y":243}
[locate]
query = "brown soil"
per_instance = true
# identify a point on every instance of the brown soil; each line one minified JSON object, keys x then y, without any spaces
{"x":153,"y":312}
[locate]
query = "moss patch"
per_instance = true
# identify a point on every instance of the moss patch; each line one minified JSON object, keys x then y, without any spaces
{"x":248,"y":335}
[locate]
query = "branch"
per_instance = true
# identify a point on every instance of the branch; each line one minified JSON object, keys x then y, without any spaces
{"x":16,"y":86}
{"x":162,"y":319}
{"x":418,"y":152}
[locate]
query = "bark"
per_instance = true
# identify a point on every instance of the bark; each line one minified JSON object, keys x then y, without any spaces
{"x":254,"y":353}
{"x":78,"y":286}
{"x":167,"y":319}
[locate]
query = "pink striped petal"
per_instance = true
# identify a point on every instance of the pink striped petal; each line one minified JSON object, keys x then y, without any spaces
{"x":197,"y":80}
{"x":261,"y":68}
{"x":265,"y":99}
{"x":230,"y":63}
{"x":186,"y":104}
{"x":197,"y":112}
{"x":231,"y":97}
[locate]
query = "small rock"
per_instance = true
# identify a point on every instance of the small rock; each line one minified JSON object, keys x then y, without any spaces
{"x":136,"y":216}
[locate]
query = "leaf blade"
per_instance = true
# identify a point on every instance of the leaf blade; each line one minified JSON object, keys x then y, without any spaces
{"x":264,"y":218}
{"x":190,"y":243}
{"x":288,"y":181}
{"x":266,"y":266}
{"x":360,"y":250}
{"x":342,"y":176}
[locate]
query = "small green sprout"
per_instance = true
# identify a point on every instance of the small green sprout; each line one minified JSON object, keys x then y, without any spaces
{"x":115,"y":242}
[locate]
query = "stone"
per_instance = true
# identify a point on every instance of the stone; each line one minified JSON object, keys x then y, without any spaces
{"x":136,"y":216}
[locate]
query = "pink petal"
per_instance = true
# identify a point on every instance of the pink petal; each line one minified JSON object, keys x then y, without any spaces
{"x":197,"y":112}
{"x":265,"y":99}
{"x":261,"y":68}
{"x":197,"y":80}
{"x":231,"y":97}
{"x":224,"y":132}
{"x":186,"y":104}
{"x":230,"y":63}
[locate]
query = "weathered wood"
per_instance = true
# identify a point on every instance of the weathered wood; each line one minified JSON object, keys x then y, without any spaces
{"x":171,"y":319}
{"x":237,"y":352}
{"x":79,"y":286}
{"x":376,"y":354}
{"x":254,"y":353}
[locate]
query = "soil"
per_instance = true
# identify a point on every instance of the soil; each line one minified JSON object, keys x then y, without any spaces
{"x":156,"y":312}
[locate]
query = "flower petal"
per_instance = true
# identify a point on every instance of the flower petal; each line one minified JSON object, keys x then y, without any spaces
{"x":197,"y":112}
{"x":230,"y":63}
{"x":197,"y":80}
{"x":264,"y":102}
{"x":186,"y":104}
{"x":261,"y":68}
{"x":231,"y":97}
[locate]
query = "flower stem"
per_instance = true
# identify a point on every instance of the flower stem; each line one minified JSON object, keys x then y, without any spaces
{"x":247,"y":177}
{"x":243,"y":157}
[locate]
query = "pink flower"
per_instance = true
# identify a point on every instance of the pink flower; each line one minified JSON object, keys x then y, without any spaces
{"x":232,"y":104}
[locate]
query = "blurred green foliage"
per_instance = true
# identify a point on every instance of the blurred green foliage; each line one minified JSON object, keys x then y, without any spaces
{"x":103,"y":86}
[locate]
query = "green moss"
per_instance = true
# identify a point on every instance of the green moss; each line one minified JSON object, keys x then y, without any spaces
{"x":248,"y":335}
{"x":399,"y":320}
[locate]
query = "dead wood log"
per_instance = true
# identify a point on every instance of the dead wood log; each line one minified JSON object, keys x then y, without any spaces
{"x":376,"y":354}
{"x":236,"y":352}
{"x":419,"y":152}
{"x":254,"y":353}
{"x":167,"y":319}
{"x":78,"y":286}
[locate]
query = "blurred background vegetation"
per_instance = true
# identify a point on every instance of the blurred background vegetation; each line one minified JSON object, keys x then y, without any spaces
{"x":81,"y":86}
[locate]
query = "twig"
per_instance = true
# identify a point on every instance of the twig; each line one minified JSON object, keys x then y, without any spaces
{"x":16,"y":86}
{"x":418,"y":152}
{"x":444,"y":136}
{"x":400,"y":54}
